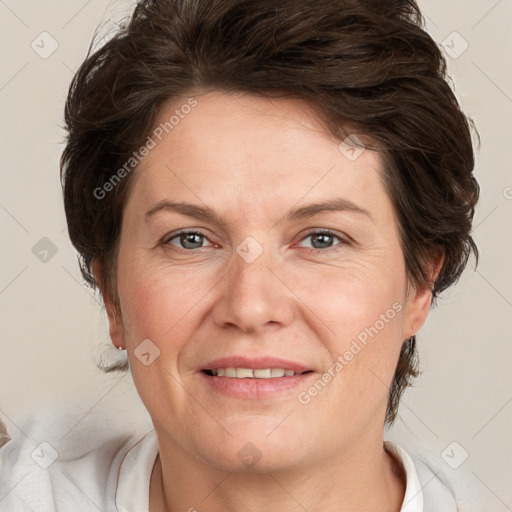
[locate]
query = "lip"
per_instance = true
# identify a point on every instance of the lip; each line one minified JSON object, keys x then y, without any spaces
{"x":254,"y":389}
{"x":255,"y":363}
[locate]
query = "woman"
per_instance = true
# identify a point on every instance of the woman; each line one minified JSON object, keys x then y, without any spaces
{"x":269,"y":196}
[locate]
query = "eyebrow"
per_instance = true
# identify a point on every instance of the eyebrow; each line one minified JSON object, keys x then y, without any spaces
{"x":300,"y":213}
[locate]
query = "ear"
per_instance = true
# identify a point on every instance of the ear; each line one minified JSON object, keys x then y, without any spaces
{"x":419,"y":298}
{"x":115,"y":321}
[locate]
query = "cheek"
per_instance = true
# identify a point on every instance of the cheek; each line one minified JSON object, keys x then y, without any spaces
{"x":158,"y":303}
{"x":359,"y":310}
{"x":154,"y":308}
{"x":149,"y":308}
{"x":352,"y":297}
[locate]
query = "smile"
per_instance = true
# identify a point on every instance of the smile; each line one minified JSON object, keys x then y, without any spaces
{"x":248,"y":373}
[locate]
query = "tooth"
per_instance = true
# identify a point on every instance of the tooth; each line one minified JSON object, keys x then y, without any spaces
{"x":230,"y":372}
{"x":263,"y":374}
{"x":242,"y":373}
{"x":248,"y":373}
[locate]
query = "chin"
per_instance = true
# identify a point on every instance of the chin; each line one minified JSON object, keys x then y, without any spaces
{"x":253,"y":452}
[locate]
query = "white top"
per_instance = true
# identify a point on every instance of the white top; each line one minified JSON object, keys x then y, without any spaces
{"x":113,"y":474}
{"x":81,"y":454}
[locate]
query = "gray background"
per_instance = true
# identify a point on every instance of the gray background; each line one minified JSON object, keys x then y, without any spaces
{"x":52,"y":326}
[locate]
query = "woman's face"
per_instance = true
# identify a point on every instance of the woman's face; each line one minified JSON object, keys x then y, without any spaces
{"x":260,"y":281}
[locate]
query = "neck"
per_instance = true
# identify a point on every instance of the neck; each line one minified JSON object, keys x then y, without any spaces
{"x":359,"y":480}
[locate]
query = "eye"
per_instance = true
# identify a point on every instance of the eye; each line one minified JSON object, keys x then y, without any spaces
{"x":323,"y":239}
{"x":189,"y":240}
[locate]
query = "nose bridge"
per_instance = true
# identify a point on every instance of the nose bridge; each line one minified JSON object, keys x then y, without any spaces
{"x":253,"y":295}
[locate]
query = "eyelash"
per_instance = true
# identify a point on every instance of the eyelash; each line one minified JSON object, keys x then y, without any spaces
{"x":343,"y":241}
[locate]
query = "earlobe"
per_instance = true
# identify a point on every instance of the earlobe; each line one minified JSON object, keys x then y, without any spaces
{"x":418,"y":308}
{"x":420,"y":298}
{"x":115,"y":322}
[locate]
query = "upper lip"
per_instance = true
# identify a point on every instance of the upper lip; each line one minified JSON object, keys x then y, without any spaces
{"x":255,"y":363}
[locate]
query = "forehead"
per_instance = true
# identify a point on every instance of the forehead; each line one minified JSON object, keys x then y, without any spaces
{"x":245,"y":150}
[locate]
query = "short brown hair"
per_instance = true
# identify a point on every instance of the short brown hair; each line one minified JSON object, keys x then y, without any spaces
{"x":367,"y":64}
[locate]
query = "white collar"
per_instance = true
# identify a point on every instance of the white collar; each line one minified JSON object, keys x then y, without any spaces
{"x":413,"y":498}
{"x":132,"y":494}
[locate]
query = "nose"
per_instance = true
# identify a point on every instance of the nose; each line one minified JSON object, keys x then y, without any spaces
{"x":253,"y":293}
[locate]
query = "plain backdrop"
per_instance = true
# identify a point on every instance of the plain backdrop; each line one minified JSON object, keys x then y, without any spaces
{"x":52,"y":325}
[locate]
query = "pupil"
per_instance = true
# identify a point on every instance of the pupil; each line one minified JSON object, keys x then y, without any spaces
{"x":325,"y":243}
{"x":189,"y":238}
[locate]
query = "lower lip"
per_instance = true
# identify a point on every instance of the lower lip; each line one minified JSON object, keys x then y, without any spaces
{"x":254,"y":389}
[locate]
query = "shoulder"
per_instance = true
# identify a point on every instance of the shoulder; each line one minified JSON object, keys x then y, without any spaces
{"x":432,"y":484}
{"x":425,"y":485}
{"x":58,"y":461}
{"x":46,"y":473}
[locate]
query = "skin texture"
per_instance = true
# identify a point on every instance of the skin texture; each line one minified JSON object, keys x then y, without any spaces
{"x":251,"y":160}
